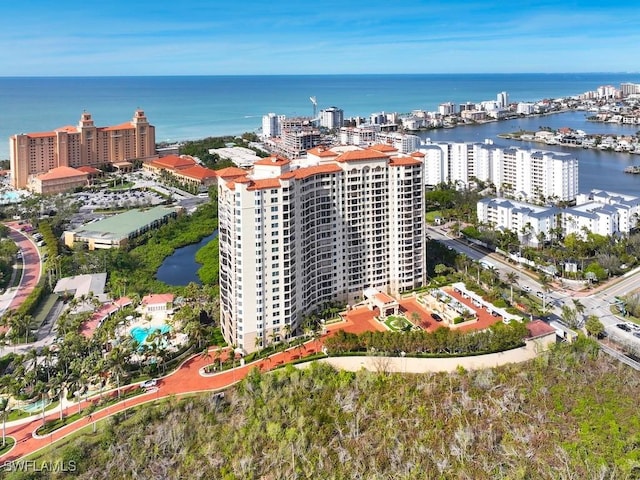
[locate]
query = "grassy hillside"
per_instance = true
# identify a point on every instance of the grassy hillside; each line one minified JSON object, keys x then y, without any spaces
{"x":571,"y":415}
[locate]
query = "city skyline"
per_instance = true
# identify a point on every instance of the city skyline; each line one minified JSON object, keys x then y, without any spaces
{"x":197,"y":37}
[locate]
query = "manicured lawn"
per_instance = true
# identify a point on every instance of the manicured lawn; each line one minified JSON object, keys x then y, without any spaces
{"x":122,"y":186}
{"x":431,"y":216}
{"x":8,"y":443}
{"x":397,"y":323}
{"x":43,"y":310}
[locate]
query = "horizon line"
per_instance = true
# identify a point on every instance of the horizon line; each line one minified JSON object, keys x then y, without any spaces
{"x":317,"y":74}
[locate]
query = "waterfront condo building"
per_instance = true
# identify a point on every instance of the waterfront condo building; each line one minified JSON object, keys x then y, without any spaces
{"x":530,"y":175}
{"x":32,"y":154}
{"x":298,"y":235}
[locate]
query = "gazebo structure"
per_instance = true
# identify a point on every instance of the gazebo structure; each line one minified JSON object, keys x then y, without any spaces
{"x":386,"y":304}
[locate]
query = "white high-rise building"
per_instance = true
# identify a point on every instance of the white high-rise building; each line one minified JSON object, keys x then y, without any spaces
{"x":331,"y":118}
{"x":271,"y":125}
{"x":503,"y":100}
{"x":298,"y":235}
{"x":532,"y":175}
{"x":448,"y":108}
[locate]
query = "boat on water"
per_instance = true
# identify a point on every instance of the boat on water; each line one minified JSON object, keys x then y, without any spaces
{"x":632,"y":169}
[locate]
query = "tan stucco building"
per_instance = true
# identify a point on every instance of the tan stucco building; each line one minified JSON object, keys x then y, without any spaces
{"x":33,"y":154}
{"x":57,"y":180}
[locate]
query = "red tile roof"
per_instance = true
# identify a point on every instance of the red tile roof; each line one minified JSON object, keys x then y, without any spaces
{"x":61,"y":172}
{"x":41,"y":134}
{"x":384,"y":298}
{"x":359,"y":155}
{"x":538,"y":328}
{"x":157,"y":298}
{"x":383,"y":147}
{"x":173,"y":162}
{"x":322,"y":152}
{"x":230,"y":172}
{"x":404,"y":162}
{"x":197,"y":172}
{"x":122,"y":126}
{"x":89,"y":170}
{"x":67,"y":129}
{"x":316,"y":170}
{"x":417,"y":154}
{"x":263,"y":184}
{"x":272,"y":161}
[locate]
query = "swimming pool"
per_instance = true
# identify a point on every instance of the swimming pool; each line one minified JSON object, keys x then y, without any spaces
{"x":140,"y":334}
{"x":36,"y":406}
{"x":10,"y":197}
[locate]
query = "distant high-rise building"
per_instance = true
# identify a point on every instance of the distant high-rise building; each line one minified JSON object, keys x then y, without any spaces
{"x":331,"y":118}
{"x":503,"y":100}
{"x":271,"y":125}
{"x":629,"y":89}
{"x":607,"y":92}
{"x":32,"y":154}
{"x":447,"y":108}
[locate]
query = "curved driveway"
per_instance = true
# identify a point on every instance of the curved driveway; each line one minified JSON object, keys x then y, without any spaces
{"x":31,"y":270}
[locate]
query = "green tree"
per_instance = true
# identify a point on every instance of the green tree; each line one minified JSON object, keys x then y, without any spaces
{"x":512,"y":279}
{"x":4,"y":411}
{"x":594,"y":326}
{"x":569,"y":316}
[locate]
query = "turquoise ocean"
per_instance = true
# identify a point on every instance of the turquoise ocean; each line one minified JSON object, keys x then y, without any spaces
{"x":192,"y":107}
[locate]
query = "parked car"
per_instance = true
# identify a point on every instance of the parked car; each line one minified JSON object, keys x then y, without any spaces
{"x":149,"y":383}
{"x":436,"y":317}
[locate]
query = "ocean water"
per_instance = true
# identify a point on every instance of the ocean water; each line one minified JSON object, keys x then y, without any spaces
{"x":192,"y":107}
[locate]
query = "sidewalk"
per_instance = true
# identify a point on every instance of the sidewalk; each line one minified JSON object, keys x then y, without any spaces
{"x":424,"y":365}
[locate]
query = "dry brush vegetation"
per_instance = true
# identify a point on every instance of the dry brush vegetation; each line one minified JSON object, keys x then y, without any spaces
{"x":569,"y":415}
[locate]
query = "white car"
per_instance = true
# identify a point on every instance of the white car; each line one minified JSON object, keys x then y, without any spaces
{"x":149,"y":383}
{"x":526,"y":288}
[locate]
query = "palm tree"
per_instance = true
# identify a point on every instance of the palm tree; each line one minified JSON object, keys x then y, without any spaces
{"x":4,"y":411}
{"x":580,"y":308}
{"x":545,"y":283}
{"x":258,"y":342}
{"x":47,"y":354}
{"x":569,"y":316}
{"x":196,"y":331}
{"x":512,"y":279}
{"x":117,"y":361}
{"x":287,"y":332}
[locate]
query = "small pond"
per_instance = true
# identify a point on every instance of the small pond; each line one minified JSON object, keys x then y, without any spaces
{"x":181,"y":268}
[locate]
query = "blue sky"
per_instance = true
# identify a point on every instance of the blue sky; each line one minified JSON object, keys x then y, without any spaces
{"x":213,"y":37}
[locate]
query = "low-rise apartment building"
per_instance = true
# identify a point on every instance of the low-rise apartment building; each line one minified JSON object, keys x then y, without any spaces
{"x":603,"y":213}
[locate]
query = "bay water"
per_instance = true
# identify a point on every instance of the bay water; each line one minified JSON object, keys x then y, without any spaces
{"x":193,"y":107}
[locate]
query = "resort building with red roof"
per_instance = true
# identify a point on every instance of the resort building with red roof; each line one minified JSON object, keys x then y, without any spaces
{"x":299,"y":233}
{"x":59,"y":179}
{"x":33,"y":154}
{"x":184,"y":168}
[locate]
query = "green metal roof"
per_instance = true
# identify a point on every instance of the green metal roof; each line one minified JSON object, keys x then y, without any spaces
{"x":124,"y":224}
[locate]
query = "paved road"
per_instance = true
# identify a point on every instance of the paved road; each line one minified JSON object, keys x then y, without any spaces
{"x":596,"y":302}
{"x":32,"y":270}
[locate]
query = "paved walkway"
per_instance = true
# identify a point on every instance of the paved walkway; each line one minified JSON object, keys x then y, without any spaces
{"x":423,"y":365}
{"x":188,"y":378}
